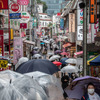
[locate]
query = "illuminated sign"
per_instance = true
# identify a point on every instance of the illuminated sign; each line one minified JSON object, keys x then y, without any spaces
{"x":3,"y":4}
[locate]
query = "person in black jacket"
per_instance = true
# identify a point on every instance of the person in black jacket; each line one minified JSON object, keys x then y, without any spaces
{"x":65,"y":83}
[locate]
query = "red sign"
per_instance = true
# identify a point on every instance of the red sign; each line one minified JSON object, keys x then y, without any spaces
{"x":15,"y":7}
{"x":58,"y":14}
{"x":2,"y":42}
{"x":23,"y":25}
{"x":23,"y":2}
{"x":3,"y":4}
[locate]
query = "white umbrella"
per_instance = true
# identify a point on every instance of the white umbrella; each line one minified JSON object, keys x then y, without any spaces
{"x":45,"y":41}
{"x":71,"y":61}
{"x":69,"y":69}
{"x":50,"y":53}
{"x":54,"y":57}
{"x":36,"y":48}
{"x":37,"y":56}
{"x":21,"y":60}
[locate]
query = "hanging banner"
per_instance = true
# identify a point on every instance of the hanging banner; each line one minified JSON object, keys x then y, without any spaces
{"x":71,"y":22}
{"x":3,"y":4}
{"x":18,"y":49}
{"x":62,"y":24}
{"x":1,"y":42}
{"x":23,"y":2}
{"x":93,"y":11}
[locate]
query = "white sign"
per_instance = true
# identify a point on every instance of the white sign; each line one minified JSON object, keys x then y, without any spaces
{"x":79,"y":15}
{"x":25,"y":17}
{"x":79,"y":32}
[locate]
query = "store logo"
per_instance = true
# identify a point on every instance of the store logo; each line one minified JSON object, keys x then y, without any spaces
{"x":1,"y":2}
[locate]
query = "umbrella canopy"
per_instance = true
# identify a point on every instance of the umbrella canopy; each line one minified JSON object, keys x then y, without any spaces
{"x":41,"y":65}
{"x":58,"y":51}
{"x":35,"y":52}
{"x":80,"y":84}
{"x":9,"y":75}
{"x":54,"y":57}
{"x":63,"y":53}
{"x":23,"y":88}
{"x":71,"y":61}
{"x":21,"y":60}
{"x":57,"y":63}
{"x":50,"y":53}
{"x":45,"y":41}
{"x":63,"y":60}
{"x":35,"y":48}
{"x":50,"y":84}
{"x":69,"y":69}
{"x":36,"y":56}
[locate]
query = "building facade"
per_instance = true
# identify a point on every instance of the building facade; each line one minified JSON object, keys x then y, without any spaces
{"x":54,"y":6}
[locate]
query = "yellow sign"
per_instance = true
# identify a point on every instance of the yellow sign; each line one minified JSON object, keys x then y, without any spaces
{"x":11,"y":36}
{"x":3,"y":63}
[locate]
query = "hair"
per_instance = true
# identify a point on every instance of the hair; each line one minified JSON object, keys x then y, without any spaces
{"x":90,"y":84}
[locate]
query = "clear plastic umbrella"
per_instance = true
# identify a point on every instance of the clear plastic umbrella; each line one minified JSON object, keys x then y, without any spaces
{"x":54,"y":57}
{"x":23,"y":88}
{"x":50,"y":84}
{"x":21,"y":60}
{"x":36,"y":56}
{"x":71,"y":61}
{"x":9,"y":75}
{"x":69,"y":69}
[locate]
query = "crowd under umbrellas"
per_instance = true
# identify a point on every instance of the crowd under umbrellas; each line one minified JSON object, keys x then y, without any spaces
{"x":48,"y":75}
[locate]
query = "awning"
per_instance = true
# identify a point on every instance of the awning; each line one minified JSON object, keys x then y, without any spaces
{"x":29,"y":42}
{"x":95,"y":61}
{"x":66,"y":45}
{"x":78,"y":53}
{"x":71,"y":5}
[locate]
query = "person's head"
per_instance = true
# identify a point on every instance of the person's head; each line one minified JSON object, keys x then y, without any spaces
{"x":91,"y":88}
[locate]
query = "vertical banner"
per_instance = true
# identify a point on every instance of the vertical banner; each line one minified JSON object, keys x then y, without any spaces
{"x":2,"y":42}
{"x":62,"y":24}
{"x":3,"y":4}
{"x":71,"y":22}
{"x":18,"y":49}
{"x":93,"y":11}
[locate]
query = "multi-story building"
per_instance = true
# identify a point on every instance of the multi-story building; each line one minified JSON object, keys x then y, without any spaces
{"x":54,"y":6}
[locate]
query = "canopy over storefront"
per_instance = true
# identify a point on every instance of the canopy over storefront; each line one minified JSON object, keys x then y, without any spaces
{"x":95,"y":61}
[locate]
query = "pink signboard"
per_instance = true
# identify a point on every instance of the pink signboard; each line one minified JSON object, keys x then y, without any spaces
{"x":23,"y":2}
{"x":18,"y":49}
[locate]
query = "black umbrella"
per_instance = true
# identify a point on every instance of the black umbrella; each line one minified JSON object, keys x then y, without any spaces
{"x":41,"y":65}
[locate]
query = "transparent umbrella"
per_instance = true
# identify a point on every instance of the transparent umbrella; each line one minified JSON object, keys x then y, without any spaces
{"x":54,"y":57}
{"x":36,"y":56}
{"x":50,"y":84}
{"x":23,"y":88}
{"x":69,"y":69}
{"x":71,"y":61}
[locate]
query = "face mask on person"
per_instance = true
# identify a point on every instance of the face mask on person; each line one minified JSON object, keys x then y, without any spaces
{"x":90,"y":91}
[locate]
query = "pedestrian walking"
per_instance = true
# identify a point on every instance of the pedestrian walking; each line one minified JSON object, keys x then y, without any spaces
{"x":91,"y":94}
{"x":65,"y":83}
{"x":44,"y":52}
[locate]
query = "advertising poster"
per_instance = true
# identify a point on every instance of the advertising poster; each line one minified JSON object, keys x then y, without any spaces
{"x":80,"y":33}
{"x":18,"y":49}
{"x":23,"y":2}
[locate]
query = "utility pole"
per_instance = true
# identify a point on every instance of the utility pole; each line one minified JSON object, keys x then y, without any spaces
{"x":85,"y":38}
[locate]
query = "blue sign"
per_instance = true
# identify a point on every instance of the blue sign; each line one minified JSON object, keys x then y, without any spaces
{"x":15,"y":15}
{"x":62,"y":24}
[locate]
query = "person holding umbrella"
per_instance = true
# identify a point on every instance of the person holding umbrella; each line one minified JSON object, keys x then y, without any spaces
{"x":91,"y":94}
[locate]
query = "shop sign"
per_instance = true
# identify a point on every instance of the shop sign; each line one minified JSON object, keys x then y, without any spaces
{"x":3,"y":63}
{"x":3,"y":4}
{"x":14,"y":7}
{"x":23,"y":25}
{"x":71,"y":22}
{"x":79,"y":32}
{"x":18,"y":49}
{"x":62,"y":24}
{"x":23,"y":2}
{"x":79,"y":16}
{"x":2,"y":42}
{"x":25,"y":17}
{"x":93,"y":11}
{"x":15,"y":15}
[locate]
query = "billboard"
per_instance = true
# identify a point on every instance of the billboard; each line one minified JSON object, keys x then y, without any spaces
{"x":62,"y":24}
{"x":15,"y":15}
{"x":23,"y":2}
{"x":79,"y":32}
{"x":3,"y":4}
